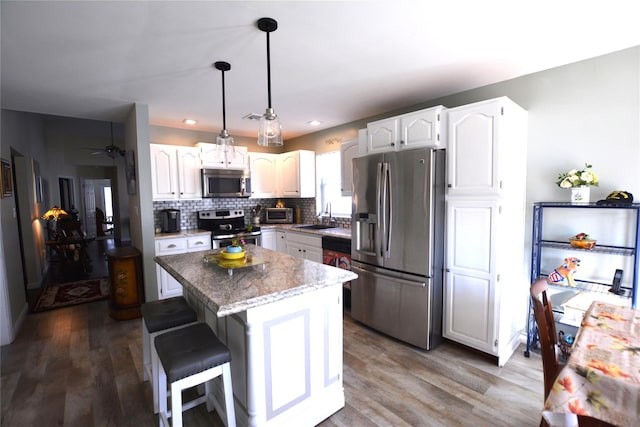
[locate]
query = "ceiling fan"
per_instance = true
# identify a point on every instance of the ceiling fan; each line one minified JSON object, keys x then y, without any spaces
{"x":110,"y":150}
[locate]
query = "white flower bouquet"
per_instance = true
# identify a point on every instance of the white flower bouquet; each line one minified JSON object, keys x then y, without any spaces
{"x":578,"y":178}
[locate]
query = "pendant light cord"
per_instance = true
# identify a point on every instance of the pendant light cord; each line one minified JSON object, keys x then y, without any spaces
{"x":268,"y":70}
{"x":224,"y":112}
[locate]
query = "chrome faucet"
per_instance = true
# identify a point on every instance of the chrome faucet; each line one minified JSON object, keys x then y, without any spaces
{"x":332,"y":220}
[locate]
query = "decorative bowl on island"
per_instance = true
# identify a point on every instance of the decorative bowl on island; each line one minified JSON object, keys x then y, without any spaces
{"x":582,"y":241}
{"x":233,"y":249}
{"x":232,"y":255}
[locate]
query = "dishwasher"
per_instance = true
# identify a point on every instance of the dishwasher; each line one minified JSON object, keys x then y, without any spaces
{"x":336,"y":251}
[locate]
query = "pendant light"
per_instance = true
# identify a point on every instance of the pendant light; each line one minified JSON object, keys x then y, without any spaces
{"x":270,"y":131}
{"x":223,"y":140}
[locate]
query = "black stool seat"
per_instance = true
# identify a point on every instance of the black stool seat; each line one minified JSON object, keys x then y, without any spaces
{"x":167,"y":313}
{"x":190,"y":350}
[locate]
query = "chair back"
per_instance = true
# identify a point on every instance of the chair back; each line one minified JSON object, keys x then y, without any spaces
{"x":547,"y":336}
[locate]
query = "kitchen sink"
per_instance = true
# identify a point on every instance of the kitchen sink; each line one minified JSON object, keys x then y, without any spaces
{"x":316,"y":227}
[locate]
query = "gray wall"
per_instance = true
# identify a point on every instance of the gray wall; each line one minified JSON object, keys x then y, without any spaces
{"x":588,"y":111}
{"x":25,"y":133}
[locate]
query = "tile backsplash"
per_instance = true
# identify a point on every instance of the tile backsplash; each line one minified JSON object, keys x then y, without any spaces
{"x":189,"y":209}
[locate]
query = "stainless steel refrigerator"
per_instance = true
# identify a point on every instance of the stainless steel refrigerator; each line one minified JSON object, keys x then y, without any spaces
{"x":397,"y":245}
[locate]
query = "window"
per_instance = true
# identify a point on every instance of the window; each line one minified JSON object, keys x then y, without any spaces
{"x":328,"y":186}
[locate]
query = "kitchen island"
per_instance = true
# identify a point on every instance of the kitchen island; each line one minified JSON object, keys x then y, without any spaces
{"x":282,"y":321}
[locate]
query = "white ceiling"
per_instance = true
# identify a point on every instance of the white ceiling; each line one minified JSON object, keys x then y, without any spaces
{"x":332,"y":61}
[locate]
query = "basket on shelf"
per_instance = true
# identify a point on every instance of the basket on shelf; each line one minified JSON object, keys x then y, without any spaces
{"x":582,"y":241}
{"x":582,"y":244}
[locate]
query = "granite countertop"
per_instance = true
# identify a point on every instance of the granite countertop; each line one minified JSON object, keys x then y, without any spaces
{"x":282,"y":276}
{"x":344,"y":233}
{"x":183,"y":233}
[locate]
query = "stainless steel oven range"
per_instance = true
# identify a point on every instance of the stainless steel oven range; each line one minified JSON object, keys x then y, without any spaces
{"x":226,"y":225}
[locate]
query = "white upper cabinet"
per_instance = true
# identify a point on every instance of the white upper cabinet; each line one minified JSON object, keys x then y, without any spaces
{"x":423,"y":128}
{"x":419,"y":129}
{"x":382,"y":136}
{"x":290,"y":174}
{"x":297,"y":174}
{"x":189,"y":175}
{"x":348,"y":150}
{"x":263,"y":175}
{"x":487,"y":148}
{"x":215,"y":157}
{"x":175,"y":172}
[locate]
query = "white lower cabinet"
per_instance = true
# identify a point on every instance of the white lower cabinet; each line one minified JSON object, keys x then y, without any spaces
{"x":168,"y":286}
{"x":268,"y":239}
{"x":485,"y":302}
{"x":304,"y":246}
{"x":300,"y":245}
{"x":281,"y":241}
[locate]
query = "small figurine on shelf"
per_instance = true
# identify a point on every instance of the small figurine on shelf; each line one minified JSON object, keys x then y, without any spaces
{"x":563,"y":275}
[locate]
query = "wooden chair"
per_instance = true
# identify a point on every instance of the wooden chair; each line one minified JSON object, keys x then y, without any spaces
{"x":548,"y":338}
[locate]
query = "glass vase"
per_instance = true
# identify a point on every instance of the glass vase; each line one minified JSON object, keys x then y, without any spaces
{"x":580,"y":195}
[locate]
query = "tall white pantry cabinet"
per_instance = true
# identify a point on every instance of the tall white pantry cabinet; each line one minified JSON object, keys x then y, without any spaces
{"x":486,"y":287}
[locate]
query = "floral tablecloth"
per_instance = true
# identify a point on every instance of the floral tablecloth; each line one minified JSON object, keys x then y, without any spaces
{"x":602,"y":376}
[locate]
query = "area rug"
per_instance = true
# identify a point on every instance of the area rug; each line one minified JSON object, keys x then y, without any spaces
{"x":74,"y":293}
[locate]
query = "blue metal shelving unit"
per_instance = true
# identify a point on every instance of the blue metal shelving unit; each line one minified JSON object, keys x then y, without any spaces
{"x":537,"y":245}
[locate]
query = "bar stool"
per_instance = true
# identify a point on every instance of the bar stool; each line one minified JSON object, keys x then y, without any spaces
{"x":161,"y":316}
{"x":188,"y":357}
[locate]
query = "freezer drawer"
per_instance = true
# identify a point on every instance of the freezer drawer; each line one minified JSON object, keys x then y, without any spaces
{"x":400,"y":305}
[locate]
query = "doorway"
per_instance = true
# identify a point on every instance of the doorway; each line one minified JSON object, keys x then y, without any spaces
{"x":98,"y":206}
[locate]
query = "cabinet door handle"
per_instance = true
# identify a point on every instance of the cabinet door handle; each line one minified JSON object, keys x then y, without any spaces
{"x":401,"y":142}
{"x":393,"y":144}
{"x":171,"y":246}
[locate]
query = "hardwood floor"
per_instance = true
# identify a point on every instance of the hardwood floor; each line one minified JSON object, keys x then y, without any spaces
{"x":78,"y":367}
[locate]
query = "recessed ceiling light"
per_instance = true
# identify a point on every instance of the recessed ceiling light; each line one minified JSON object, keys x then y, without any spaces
{"x":314,"y":123}
{"x":189,"y":121}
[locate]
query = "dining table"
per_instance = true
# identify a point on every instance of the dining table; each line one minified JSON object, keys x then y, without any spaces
{"x":601,"y":378}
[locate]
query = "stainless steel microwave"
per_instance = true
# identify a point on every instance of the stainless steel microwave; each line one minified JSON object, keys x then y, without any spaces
{"x":226,"y":183}
{"x":279,"y":215}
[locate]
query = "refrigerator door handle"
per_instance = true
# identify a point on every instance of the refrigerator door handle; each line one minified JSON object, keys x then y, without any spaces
{"x":380,"y":221}
{"x":388,"y":211}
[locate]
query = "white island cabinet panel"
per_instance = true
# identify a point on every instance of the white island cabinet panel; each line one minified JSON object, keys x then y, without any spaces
{"x":284,"y":329}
